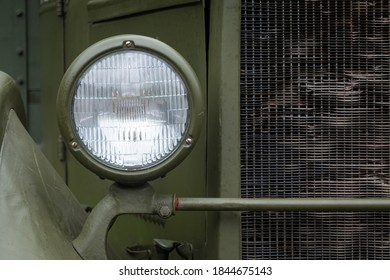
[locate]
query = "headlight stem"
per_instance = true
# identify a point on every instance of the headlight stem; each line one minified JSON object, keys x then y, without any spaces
{"x":92,"y":242}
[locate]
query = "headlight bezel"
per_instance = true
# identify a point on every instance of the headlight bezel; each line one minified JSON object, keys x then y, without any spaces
{"x":89,"y":57}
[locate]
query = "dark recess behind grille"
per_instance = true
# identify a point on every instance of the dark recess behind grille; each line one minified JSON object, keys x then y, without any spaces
{"x":315,"y":122}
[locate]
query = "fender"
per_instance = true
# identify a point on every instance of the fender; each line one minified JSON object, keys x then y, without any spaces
{"x":39,"y":215}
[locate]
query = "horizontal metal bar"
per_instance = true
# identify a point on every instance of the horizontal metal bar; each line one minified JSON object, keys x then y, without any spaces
{"x":282,"y":204}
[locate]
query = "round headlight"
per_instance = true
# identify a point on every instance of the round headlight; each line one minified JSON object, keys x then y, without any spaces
{"x":130,"y":108}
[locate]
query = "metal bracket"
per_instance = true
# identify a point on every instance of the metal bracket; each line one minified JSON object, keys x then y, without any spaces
{"x":91,"y":244}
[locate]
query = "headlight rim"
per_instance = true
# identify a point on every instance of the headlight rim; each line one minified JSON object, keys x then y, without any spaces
{"x":89,"y":57}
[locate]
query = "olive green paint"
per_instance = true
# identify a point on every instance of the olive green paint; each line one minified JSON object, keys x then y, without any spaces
{"x":223,"y":142}
{"x":19,"y":55}
{"x":187,"y":23}
{"x":10,"y":98}
{"x":32,"y":55}
{"x":120,"y":200}
{"x":40,"y":216}
{"x":13,"y":42}
{"x":52,"y":69}
{"x":282,"y":204}
{"x":100,"y":10}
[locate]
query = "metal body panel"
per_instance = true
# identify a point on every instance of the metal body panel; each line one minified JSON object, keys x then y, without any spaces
{"x":40,"y":217}
{"x":100,"y":10}
{"x":19,"y":57}
{"x":9,"y":99}
{"x":52,"y":69}
{"x":34,"y":107}
{"x":223,"y":141}
{"x":13,"y":43}
{"x":189,"y":178}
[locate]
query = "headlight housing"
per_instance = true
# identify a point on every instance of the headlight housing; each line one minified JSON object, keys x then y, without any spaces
{"x":130,"y":108}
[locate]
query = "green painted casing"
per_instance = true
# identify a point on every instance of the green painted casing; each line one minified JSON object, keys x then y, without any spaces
{"x":182,"y":28}
{"x":223,"y":134}
{"x":69,"y":85}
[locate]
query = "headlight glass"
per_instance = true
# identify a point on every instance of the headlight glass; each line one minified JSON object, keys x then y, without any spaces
{"x":130,"y":110}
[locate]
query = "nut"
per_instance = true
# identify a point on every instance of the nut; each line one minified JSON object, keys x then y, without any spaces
{"x":164,"y":211}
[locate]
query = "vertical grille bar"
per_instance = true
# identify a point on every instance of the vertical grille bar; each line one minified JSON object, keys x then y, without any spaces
{"x":315,"y":122}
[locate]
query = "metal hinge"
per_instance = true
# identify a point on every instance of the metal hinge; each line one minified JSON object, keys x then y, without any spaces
{"x":60,"y":8}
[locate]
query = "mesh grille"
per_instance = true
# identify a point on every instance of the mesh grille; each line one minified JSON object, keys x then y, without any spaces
{"x":315,"y":122}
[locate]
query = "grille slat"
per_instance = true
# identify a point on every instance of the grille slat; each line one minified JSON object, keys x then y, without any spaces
{"x":315,"y":122}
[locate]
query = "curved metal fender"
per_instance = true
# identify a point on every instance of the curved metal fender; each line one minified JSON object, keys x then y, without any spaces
{"x":10,"y":98}
{"x":39,"y":216}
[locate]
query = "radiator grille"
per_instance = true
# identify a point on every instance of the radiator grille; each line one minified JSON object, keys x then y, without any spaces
{"x":315,"y":122}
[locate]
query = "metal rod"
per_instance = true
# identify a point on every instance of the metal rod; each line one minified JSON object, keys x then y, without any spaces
{"x":282,"y":204}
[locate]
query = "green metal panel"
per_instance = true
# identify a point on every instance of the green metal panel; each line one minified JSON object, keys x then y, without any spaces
{"x":13,"y":43}
{"x":52,"y":69}
{"x":20,"y":55}
{"x":183,"y":29}
{"x":34,"y":108}
{"x":223,"y":140}
{"x":13,"y":39}
{"x":99,"y":10}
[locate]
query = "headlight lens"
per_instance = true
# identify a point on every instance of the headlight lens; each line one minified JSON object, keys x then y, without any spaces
{"x":130,"y":110}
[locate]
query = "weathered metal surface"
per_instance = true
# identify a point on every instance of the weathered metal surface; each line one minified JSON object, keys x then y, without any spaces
{"x":39,"y":215}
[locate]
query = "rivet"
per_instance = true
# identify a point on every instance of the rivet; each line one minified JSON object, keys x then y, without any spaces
{"x":74,"y":144}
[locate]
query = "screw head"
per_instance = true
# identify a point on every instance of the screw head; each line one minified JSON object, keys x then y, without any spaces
{"x":188,"y":141}
{"x":74,"y":144}
{"x":128,"y":44}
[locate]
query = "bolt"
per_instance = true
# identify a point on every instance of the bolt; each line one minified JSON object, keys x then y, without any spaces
{"x":128,"y":44}
{"x":19,"y":13}
{"x":20,"y":81}
{"x":188,"y":141}
{"x":74,"y":144}
{"x":19,"y":51}
{"x":164,"y":211}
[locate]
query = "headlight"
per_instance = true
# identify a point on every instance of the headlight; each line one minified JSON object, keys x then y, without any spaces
{"x":130,"y":108}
